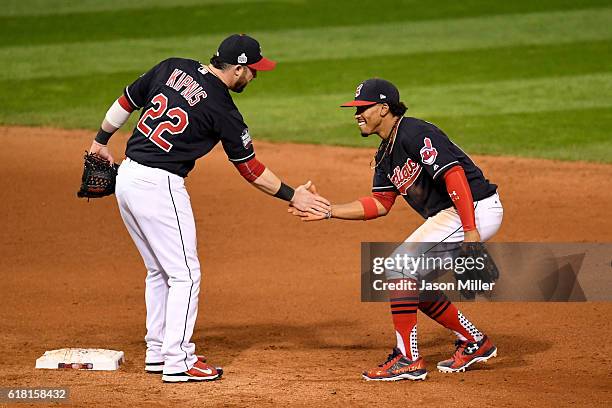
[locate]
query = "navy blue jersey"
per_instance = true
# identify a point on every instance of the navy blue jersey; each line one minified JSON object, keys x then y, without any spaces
{"x":186,"y":111}
{"x":414,"y":163}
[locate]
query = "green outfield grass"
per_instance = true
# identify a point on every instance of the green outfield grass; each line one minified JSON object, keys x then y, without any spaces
{"x":519,"y":78}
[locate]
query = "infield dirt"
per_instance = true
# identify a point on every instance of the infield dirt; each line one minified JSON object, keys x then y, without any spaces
{"x":280,"y":305}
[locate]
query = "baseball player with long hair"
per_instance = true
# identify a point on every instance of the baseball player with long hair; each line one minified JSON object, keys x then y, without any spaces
{"x":418,"y":161}
{"x":186,"y":110}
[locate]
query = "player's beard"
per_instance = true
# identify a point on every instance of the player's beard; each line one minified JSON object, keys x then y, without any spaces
{"x":240,"y":88}
{"x":241,"y":83}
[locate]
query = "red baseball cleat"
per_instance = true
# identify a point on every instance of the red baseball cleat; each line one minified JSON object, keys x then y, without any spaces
{"x":158,"y":368}
{"x":199,"y":372}
{"x":468,"y":353}
{"x":397,"y":367}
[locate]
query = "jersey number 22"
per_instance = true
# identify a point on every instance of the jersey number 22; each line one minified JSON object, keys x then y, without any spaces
{"x":179,"y":120}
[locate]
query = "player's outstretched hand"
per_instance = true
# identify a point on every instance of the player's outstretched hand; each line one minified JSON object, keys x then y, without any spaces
{"x":306,"y":216}
{"x":102,"y":151}
{"x":307,"y":201}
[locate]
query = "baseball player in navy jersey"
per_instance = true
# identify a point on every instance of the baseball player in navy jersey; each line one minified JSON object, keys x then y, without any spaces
{"x":418,"y":161}
{"x":186,"y":110}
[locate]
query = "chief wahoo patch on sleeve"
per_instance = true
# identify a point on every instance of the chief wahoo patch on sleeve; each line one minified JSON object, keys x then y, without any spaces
{"x":428,"y":152}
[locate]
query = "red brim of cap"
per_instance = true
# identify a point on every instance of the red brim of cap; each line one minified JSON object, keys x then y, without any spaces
{"x":263,"y":64}
{"x":358,"y":103}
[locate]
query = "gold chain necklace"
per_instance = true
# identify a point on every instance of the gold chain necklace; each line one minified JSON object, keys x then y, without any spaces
{"x":388,"y":146}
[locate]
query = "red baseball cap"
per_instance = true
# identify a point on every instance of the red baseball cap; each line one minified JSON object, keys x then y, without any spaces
{"x":240,"y":49}
{"x":373,"y":91}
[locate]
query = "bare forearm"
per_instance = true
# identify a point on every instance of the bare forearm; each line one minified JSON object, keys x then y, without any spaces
{"x":99,"y":144}
{"x":353,"y":210}
{"x":304,"y":197}
{"x":348,"y":211}
{"x":267,"y":182}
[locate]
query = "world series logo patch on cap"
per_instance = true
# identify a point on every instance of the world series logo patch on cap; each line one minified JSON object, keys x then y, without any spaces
{"x":242,"y":58}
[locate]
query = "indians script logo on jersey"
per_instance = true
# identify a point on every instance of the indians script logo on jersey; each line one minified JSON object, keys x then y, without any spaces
{"x":404,"y":177}
{"x":428,"y":152}
{"x":246,"y":138}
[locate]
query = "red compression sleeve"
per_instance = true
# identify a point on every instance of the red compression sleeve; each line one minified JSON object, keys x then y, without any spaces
{"x":370,"y":209}
{"x":125,"y":104}
{"x":386,"y":198}
{"x":459,"y":191}
{"x":250,"y":169}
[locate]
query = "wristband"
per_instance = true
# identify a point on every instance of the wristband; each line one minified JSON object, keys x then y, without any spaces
{"x":386,"y":198}
{"x":103,"y":137}
{"x":285,"y":192}
{"x":370,"y":209}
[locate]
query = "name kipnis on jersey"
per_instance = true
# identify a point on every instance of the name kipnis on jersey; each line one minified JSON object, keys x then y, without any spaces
{"x":192,"y":90}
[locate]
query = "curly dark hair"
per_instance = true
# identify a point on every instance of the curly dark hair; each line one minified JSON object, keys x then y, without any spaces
{"x":218,"y":63}
{"x":397,"y":109}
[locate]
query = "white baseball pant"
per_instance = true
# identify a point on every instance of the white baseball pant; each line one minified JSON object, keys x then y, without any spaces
{"x":156,"y":210}
{"x":446,"y":227}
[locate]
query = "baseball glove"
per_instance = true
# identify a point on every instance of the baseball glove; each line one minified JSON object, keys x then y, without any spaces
{"x":483,"y":269}
{"x":98,"y":177}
